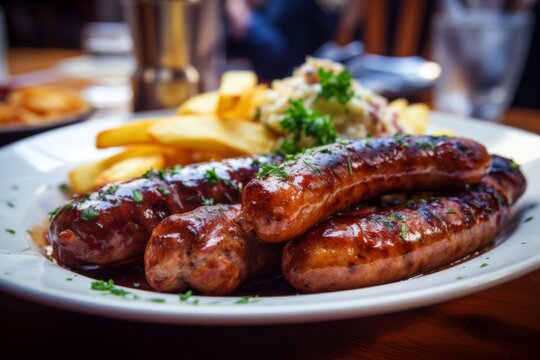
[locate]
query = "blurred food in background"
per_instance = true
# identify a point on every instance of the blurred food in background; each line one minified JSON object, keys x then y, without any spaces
{"x":40,"y":105}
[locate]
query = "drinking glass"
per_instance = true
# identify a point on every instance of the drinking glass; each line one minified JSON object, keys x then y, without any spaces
{"x":481,"y":54}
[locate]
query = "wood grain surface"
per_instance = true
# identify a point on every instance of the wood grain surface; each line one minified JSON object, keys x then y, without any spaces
{"x":500,"y":323}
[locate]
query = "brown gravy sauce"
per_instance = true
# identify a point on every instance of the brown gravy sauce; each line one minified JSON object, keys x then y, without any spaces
{"x":132,"y":275}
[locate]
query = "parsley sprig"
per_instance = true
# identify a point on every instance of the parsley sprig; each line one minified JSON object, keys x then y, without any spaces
{"x":335,"y":86}
{"x":300,"y":122}
{"x":274,"y":170}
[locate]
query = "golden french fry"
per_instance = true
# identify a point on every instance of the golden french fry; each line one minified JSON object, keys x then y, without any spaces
{"x":212,"y":133}
{"x":129,"y":168}
{"x":417,"y":116}
{"x":127,"y":134}
{"x":82,"y":179}
{"x":248,"y":104}
{"x":398,"y":104}
{"x":235,"y":86}
{"x":204,"y":103}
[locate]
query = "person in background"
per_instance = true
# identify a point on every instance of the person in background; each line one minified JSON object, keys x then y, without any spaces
{"x":277,"y":35}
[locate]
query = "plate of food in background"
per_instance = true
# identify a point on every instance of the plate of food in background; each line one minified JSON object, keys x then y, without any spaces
{"x":259,"y":205}
{"x":31,"y":110}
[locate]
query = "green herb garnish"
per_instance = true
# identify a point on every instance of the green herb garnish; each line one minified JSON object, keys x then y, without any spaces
{"x":246,"y":300}
{"x":185,"y":296}
{"x":207,"y":202}
{"x":401,"y":140}
{"x":484,"y":265}
{"x":273,"y":170}
{"x":514,"y":165}
{"x":137,"y":196}
{"x":10,"y":231}
{"x":63,"y":188}
{"x":89,"y":214}
{"x":212,"y":177}
{"x":10,"y":204}
{"x":300,"y":122}
{"x":312,"y":167}
{"x":451,"y":211}
{"x":403,"y":231}
{"x":157,"y":300}
{"x":164,"y":191}
{"x":528,"y":219}
{"x":335,"y":86}
{"x":101,"y":285}
{"x":349,"y":165}
{"x":111,"y":189}
{"x":53,"y":212}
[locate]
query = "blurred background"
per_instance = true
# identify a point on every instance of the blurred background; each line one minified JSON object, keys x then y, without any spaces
{"x":473,"y":57}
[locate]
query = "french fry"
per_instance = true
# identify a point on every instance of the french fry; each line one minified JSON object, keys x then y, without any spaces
{"x":414,"y":117}
{"x":129,"y":168}
{"x":82,"y":179}
{"x":212,"y":133}
{"x":248,"y":104}
{"x":202,"y":104}
{"x":235,"y":87}
{"x":127,"y":134}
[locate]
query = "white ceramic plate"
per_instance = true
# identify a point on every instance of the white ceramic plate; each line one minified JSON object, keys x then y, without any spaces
{"x":32,"y":169}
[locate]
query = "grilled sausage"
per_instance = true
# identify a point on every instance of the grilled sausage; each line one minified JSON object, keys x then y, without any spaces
{"x":332,"y":178}
{"x":369,"y":246}
{"x":206,"y":250}
{"x":113,"y":224}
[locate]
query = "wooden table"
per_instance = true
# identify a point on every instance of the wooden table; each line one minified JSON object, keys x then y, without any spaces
{"x":502,"y":322}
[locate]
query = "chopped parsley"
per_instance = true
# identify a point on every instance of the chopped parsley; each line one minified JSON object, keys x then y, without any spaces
{"x":185,"y":296}
{"x":312,"y":167}
{"x":10,"y":231}
{"x":111,"y":189}
{"x":451,"y":211}
{"x":246,"y":300}
{"x":164,"y":191}
{"x":212,"y":177}
{"x":335,"y":86}
{"x":117,"y":203}
{"x":514,"y":165}
{"x":529,"y":219}
{"x":149,"y":173}
{"x":137,"y":196}
{"x":157,"y":300}
{"x":207,"y":202}
{"x":89,"y":214}
{"x":53,"y":212}
{"x":403,"y":232}
{"x":349,"y":165}
{"x":300,"y":123}
{"x":484,"y":265}
{"x":101,"y":285}
{"x":401,"y":140}
{"x":10,"y":204}
{"x":108,"y":286}
{"x":423,"y":144}
{"x":273,"y":170}
{"x":64,"y":188}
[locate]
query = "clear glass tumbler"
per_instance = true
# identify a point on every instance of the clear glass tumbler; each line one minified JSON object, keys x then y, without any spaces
{"x":481,"y":54}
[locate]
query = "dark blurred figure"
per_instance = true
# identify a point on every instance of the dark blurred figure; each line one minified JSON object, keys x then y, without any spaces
{"x":276,"y":35}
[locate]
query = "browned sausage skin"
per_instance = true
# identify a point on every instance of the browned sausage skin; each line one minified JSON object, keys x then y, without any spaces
{"x":360,"y":247}
{"x":206,"y":250}
{"x":114,"y":223}
{"x":331,"y":178}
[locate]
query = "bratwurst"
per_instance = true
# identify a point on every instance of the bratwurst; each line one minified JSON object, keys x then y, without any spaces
{"x":296,"y":195}
{"x":207,"y":250}
{"x":113,"y":224}
{"x":369,"y":245}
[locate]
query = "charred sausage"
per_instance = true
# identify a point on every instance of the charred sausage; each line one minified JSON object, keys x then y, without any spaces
{"x":206,"y":250}
{"x":331,"y":178}
{"x":369,"y":246}
{"x":113,"y":224}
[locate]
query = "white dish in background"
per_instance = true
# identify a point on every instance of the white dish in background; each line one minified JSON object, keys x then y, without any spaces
{"x":33,"y":168}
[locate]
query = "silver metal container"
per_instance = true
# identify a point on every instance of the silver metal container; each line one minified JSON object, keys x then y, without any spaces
{"x":167,"y":38}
